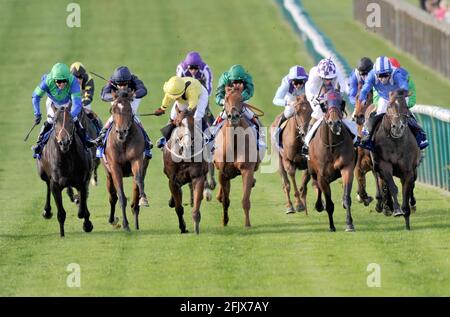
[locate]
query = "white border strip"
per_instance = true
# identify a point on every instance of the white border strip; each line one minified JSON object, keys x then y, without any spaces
{"x":312,"y":33}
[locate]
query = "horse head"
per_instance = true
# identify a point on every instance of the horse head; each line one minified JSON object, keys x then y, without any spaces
{"x":184,"y":135}
{"x":397,"y":113}
{"x":64,"y":128}
{"x":303,"y":113}
{"x":122,"y":114}
{"x":334,"y":114}
{"x":233,"y":106}
{"x":360,"y":108}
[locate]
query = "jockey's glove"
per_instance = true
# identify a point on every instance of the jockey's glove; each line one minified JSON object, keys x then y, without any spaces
{"x":37,"y":119}
{"x":159,"y":112}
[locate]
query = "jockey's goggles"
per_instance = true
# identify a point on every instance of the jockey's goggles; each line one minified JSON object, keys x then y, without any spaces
{"x":122,"y":83}
{"x":296,"y":82}
{"x":193,"y":67}
{"x":384,"y":75}
{"x":364,"y":73}
{"x":60,"y":81}
{"x":236,"y":82}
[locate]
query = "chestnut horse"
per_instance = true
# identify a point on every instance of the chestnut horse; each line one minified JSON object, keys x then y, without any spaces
{"x":64,"y":163}
{"x":396,"y":154}
{"x":293,"y":138}
{"x":235,"y":154}
{"x":332,"y":156}
{"x":123,"y":158}
{"x":184,"y":163}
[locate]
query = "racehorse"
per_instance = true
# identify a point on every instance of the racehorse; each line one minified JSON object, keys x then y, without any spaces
{"x":184,"y":163}
{"x":331,"y":156}
{"x":64,"y":163}
{"x":91,"y":131}
{"x":123,"y":158}
{"x":293,"y":138}
{"x":364,"y":162}
{"x":396,"y":154}
{"x":235,"y":154}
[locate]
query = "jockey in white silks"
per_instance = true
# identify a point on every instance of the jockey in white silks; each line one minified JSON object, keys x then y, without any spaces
{"x":322,"y":78}
{"x":292,"y":85}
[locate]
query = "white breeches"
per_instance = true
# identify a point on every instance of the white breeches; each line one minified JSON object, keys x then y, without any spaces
{"x":50,"y":112}
{"x":351,"y":125}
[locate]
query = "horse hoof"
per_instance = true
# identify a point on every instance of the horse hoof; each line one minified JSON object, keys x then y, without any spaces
{"x":126,"y":228}
{"x":367,"y":201}
{"x":143,"y":202}
{"x":300,"y":207}
{"x":387,"y":212}
{"x":47,"y":215}
{"x":413,"y":209}
{"x":290,"y":210}
{"x":378,"y":209}
{"x":398,"y":213}
{"x":184,"y":231}
{"x":207,"y":194}
{"x":87,"y":226}
{"x":350,"y":229}
{"x":332,"y":229}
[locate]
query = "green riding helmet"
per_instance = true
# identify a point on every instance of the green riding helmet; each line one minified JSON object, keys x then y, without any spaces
{"x":60,"y":71}
{"x":237,"y":72}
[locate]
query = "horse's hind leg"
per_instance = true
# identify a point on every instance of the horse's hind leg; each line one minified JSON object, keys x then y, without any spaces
{"x":73,"y":198}
{"x":94,"y":178}
{"x":303,"y":190}
{"x":198,"y":186}
{"x":56,"y":191}
{"x":177,"y":196}
{"x":347,"y":180}
{"x":323,"y":184}
{"x":407,"y":189}
{"x":112,"y":201}
{"x":286,"y":188}
{"x":191,"y":192}
{"x":212,"y":180}
{"x":47,"y":213}
{"x":83,"y":211}
{"x":138,"y":173}
{"x":386,"y":174}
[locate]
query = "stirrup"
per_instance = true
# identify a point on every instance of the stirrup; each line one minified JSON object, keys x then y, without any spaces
{"x":161,"y":142}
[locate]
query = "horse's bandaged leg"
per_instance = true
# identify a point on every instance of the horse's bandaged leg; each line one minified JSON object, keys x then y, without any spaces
{"x":311,"y":132}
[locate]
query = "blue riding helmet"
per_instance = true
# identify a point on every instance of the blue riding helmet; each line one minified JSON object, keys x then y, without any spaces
{"x":121,"y":74}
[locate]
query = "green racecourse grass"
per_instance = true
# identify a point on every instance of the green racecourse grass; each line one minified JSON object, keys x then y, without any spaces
{"x":281,"y":255}
{"x":353,"y":42}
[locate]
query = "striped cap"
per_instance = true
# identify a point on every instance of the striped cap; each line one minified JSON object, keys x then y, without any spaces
{"x":383,"y":65}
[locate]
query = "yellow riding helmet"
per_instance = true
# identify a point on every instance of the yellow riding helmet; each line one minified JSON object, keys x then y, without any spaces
{"x":174,"y":87}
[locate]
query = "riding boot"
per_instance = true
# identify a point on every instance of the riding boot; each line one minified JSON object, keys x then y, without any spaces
{"x":37,"y":149}
{"x":367,"y":131}
{"x":305,"y":148}
{"x":166,"y":132}
{"x":418,"y":132}
{"x":95,"y":121}
{"x":81,"y":131}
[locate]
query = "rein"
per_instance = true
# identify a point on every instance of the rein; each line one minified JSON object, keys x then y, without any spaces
{"x":58,"y":137}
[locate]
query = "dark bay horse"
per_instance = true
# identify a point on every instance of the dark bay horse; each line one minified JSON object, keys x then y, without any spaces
{"x":364,"y":161}
{"x":396,"y":154}
{"x":235,"y":154}
{"x":65,"y":163}
{"x":332,"y":156}
{"x":123,"y":158}
{"x":184,"y":162}
{"x":91,"y":131}
{"x":293,"y":136}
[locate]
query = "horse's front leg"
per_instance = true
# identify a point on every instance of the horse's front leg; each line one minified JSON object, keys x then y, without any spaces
{"x":212,"y":180}
{"x":247,"y":184}
{"x":303,"y":190}
{"x":224,"y":196}
{"x":56,"y":191}
{"x":407,"y":190}
{"x":325,"y":187}
{"x":299,"y":206}
{"x":83,"y":211}
{"x":198,"y":185}
{"x":73,"y":198}
{"x":114,"y":221}
{"x":118,"y":184}
{"x":177,"y":196}
{"x":286,"y":187}
{"x":386,"y":174}
{"x":360,"y":171}
{"x":138,"y":174}
{"x":347,"y":181}
{"x":47,"y":213}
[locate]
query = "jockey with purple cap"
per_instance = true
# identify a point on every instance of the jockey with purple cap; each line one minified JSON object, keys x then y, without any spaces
{"x":194,"y":66}
{"x":292,"y":85}
{"x":323,"y":78}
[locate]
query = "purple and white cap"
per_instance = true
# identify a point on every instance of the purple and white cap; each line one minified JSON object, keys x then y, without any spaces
{"x":193,"y":58}
{"x":297,"y":72}
{"x":326,"y":69}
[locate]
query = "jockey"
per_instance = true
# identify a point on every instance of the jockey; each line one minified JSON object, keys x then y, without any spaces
{"x":122,"y":79}
{"x":62,"y":90}
{"x":237,"y":77}
{"x":292,"y":85}
{"x":194,"y":66}
{"x":185,"y":93}
{"x":323,"y":78}
{"x":359,"y":76}
{"x":87,"y":91}
{"x":384,"y":78}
